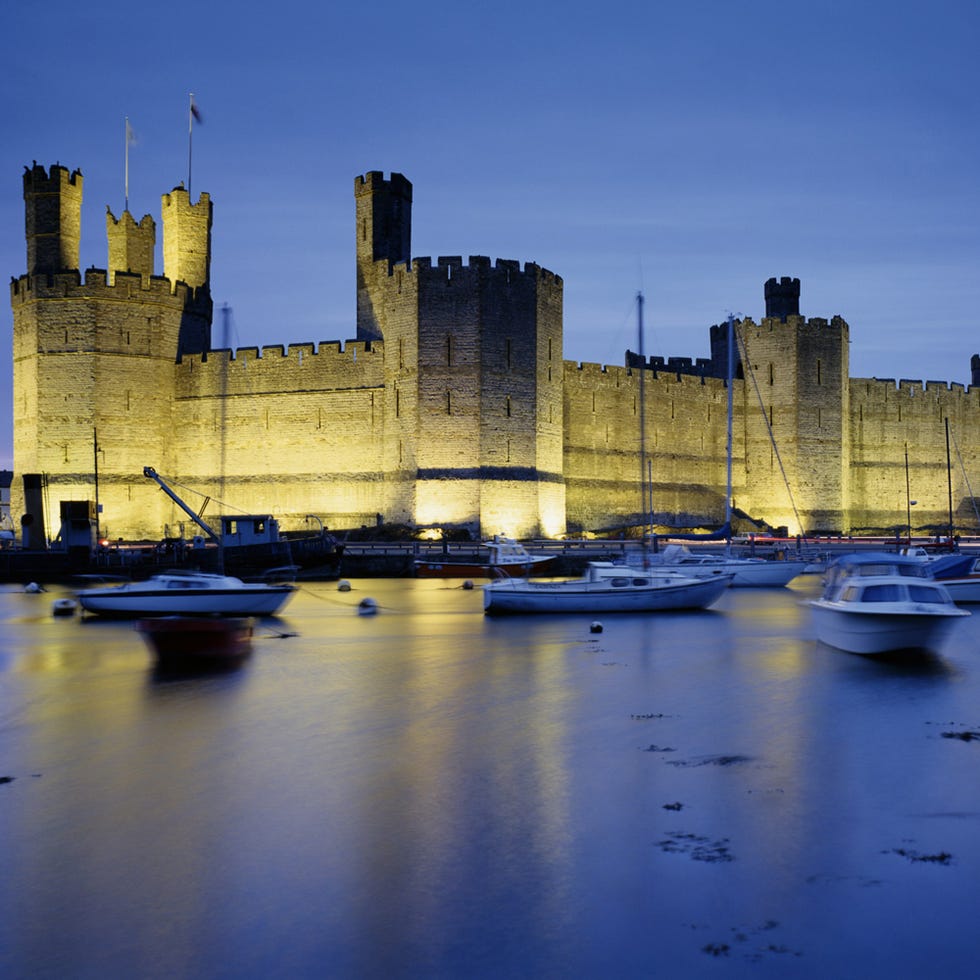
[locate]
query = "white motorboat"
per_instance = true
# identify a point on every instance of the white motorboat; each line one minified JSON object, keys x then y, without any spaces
{"x":504,"y":557}
{"x":878,"y":603}
{"x":604,"y":588}
{"x":959,"y":574}
{"x":187,"y":594}
{"x":747,"y":572}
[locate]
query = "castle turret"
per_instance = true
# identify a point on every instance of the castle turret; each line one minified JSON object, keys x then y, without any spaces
{"x":796,"y":410}
{"x":782,"y":298}
{"x":384,"y":235}
{"x":53,"y":218}
{"x":186,"y":238}
{"x":131,"y":245}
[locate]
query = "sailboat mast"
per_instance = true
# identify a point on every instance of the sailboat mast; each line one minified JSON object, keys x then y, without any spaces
{"x":729,"y":446}
{"x":949,"y":484}
{"x":644,"y":509}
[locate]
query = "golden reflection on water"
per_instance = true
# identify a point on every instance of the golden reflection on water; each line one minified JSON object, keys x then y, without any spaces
{"x":392,"y":788}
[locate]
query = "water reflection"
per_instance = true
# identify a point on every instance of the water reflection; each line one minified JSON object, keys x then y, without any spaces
{"x":427,"y":792}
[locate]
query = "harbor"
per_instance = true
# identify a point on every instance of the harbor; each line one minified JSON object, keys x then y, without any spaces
{"x":428,"y":791}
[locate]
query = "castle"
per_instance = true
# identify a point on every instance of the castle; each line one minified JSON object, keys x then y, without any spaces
{"x":453,"y":407}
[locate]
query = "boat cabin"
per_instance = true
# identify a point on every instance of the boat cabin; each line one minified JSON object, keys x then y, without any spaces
{"x":245,"y":529}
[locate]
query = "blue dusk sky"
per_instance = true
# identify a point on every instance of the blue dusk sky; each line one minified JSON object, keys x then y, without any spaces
{"x":689,"y":150}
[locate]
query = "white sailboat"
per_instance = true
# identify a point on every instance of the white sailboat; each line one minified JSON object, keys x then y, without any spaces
{"x":606,"y":587}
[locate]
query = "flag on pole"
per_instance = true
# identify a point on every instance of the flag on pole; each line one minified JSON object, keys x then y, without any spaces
{"x":195,"y":113}
{"x":130,"y":141}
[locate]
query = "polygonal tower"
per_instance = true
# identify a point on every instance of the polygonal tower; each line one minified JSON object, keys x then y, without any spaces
{"x":473,"y":376}
{"x":796,"y":410}
{"x":94,"y":359}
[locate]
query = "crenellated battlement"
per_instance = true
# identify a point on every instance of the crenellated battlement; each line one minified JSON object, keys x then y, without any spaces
{"x":127,"y":286}
{"x":41,"y":181}
{"x":374,"y":181}
{"x":452,"y":267}
{"x":883,"y":391}
{"x":306,"y":354}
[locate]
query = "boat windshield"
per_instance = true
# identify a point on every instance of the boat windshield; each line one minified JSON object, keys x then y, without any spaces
{"x":925,"y":593}
{"x":882,"y":593}
{"x":886,"y":568}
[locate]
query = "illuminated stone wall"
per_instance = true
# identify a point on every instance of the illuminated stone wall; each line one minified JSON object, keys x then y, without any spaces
{"x":473,"y":420}
{"x":294,"y":432}
{"x":95,"y":361}
{"x":686,"y":434}
{"x":888,"y":417}
{"x":454,"y":405}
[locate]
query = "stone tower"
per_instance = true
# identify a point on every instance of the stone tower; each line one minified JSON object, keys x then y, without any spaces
{"x":131,"y":245}
{"x":94,"y":358}
{"x":473,"y":376}
{"x":796,"y":409}
{"x":782,"y":298}
{"x":53,"y":218}
{"x":383,"y":216}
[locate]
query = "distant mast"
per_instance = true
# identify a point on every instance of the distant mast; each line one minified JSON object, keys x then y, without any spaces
{"x":729,"y":443}
{"x":645,"y":505}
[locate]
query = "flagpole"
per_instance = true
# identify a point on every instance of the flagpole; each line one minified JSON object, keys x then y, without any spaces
{"x":190,"y":137}
{"x":126,"y":207}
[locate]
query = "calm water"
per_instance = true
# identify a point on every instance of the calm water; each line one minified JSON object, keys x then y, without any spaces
{"x":429,"y":793}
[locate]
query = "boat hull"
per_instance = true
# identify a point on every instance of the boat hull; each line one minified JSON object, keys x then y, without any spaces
{"x":880,"y":632}
{"x":197,"y":596}
{"x":189,"y":641}
{"x":766,"y":574}
{"x":965,"y":590}
{"x":462,"y":569}
{"x":510,"y":597}
{"x":748,"y":573}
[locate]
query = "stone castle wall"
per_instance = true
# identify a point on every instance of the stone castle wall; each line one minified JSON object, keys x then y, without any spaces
{"x":686,"y":445}
{"x":454,"y":406}
{"x":94,"y":364}
{"x":887,"y":420}
{"x":296,"y":431}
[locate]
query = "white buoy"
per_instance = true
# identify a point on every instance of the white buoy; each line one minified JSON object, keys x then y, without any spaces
{"x":33,"y":588}
{"x":595,"y":627}
{"x":63,"y":607}
{"x":367,"y":607}
{"x":343,"y":585}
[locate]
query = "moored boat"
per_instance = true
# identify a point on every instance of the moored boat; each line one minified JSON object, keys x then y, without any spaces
{"x":187,"y":594}
{"x":504,"y":558}
{"x":191,"y":641}
{"x":959,"y":574}
{"x":747,"y":572}
{"x":879,"y":603}
{"x":600,"y":591}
